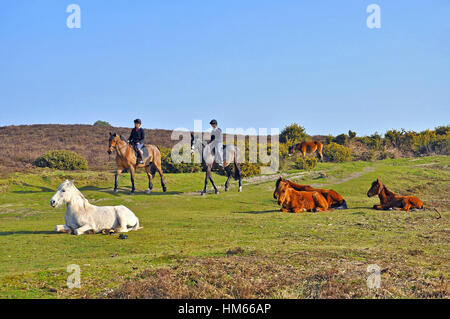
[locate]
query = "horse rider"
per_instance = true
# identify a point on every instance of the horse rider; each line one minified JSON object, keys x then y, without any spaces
{"x":137,"y":139}
{"x":217,"y":141}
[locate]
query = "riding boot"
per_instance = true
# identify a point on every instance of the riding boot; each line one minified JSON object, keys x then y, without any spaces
{"x":141,"y":157}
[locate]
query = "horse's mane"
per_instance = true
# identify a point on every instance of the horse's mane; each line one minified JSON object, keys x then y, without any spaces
{"x":83,"y":198}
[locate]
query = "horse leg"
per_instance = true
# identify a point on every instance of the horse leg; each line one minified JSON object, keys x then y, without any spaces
{"x":116,"y":179}
{"x":320,"y":155}
{"x":82,"y":230}
{"x":212,"y":182}
{"x":132,"y":171}
{"x":228,"y":170}
{"x":237,"y":167}
{"x":161,"y":174}
{"x":150,"y":178}
{"x":208,"y":170}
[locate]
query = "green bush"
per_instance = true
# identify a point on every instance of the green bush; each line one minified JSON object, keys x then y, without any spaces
{"x":247,"y":169}
{"x":101,"y":123}
{"x":306,"y":163}
{"x":341,"y":139}
{"x":351,"y":134}
{"x":65,"y":160}
{"x":368,"y":156}
{"x":168,"y":166}
{"x":292,"y":133}
{"x":334,"y":152}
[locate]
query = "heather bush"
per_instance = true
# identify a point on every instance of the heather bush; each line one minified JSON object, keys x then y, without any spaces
{"x":65,"y":160}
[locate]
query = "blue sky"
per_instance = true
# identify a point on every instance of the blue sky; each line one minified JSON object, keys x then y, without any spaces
{"x":246,"y":63}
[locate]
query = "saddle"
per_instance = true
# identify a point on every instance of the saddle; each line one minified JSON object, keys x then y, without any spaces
{"x":144,"y":150}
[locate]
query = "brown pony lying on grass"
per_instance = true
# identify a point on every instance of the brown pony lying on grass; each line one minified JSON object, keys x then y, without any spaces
{"x":297,"y":202}
{"x":391,"y":200}
{"x":333,"y":198}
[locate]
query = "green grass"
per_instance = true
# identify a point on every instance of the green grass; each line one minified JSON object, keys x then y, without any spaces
{"x":181,"y":224}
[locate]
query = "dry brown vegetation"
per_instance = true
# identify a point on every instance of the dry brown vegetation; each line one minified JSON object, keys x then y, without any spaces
{"x":281,"y":277}
{"x":21,"y":145}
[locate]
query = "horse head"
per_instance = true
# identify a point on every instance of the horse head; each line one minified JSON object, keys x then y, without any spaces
{"x":113,"y":138}
{"x":63,"y":194}
{"x":292,"y":149}
{"x":375,"y":189}
{"x":278,"y":187}
{"x":196,"y":143}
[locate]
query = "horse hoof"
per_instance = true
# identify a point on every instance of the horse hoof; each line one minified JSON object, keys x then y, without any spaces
{"x":226,"y":189}
{"x":115,"y":190}
{"x":240,"y":189}
{"x":148,"y":191}
{"x":202,"y":193}
{"x":216,"y":192}
{"x":132,"y":193}
{"x":164,"y":189}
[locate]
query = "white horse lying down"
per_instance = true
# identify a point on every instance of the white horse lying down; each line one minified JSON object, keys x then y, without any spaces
{"x":82,"y":217}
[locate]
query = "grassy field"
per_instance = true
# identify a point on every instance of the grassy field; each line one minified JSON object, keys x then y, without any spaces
{"x":232,"y":244}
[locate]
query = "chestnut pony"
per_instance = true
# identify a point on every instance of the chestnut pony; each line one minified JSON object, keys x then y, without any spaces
{"x":334,"y":199}
{"x":307,"y":148}
{"x":126,"y":160}
{"x":297,"y":202}
{"x":392,"y":200}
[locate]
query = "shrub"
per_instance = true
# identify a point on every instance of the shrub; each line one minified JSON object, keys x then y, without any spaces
{"x":341,"y":139}
{"x":292,"y":133}
{"x":334,"y":152}
{"x":306,"y":163}
{"x":443,"y":130}
{"x":351,"y":134}
{"x":65,"y":160}
{"x":168,"y":166}
{"x":247,"y":169}
{"x":368,"y":156}
{"x":101,"y":123}
{"x":386,"y":154}
{"x":284,"y":150}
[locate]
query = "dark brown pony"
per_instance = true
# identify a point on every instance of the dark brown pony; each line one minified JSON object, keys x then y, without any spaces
{"x":392,"y":200}
{"x":126,"y":160}
{"x":307,"y":148}
{"x":294,"y":201}
{"x":334,"y":199}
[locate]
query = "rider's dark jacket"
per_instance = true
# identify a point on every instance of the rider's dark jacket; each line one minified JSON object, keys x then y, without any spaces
{"x":137,"y":136}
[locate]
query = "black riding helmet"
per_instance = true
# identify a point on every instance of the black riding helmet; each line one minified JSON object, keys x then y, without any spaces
{"x":213,"y":122}
{"x":138,"y":121}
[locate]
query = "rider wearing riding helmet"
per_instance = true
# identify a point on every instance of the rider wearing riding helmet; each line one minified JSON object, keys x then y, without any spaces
{"x":217,"y":141}
{"x":137,"y":139}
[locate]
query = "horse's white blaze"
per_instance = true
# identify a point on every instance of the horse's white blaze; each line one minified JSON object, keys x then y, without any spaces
{"x":81,"y":216}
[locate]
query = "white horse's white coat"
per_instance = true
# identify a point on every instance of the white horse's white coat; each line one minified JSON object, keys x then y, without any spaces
{"x":81,"y":216}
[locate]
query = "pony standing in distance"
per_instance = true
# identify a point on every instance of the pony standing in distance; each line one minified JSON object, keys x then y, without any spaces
{"x":231,"y":154}
{"x":84,"y":218}
{"x":126,"y":159}
{"x":307,"y":148}
{"x":296,"y":201}
{"x":391,"y":200}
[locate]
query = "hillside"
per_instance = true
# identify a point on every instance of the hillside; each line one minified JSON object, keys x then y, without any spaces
{"x":21,"y":145}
